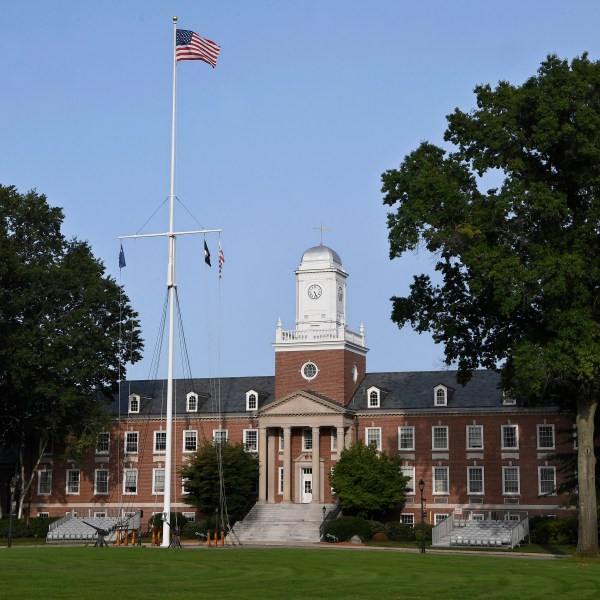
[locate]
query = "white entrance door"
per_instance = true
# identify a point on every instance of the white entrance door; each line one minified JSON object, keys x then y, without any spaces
{"x":306,"y":483}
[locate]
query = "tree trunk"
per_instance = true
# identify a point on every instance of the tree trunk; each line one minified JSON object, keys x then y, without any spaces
{"x":587,"y":540}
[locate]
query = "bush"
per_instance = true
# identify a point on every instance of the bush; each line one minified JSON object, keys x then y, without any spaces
{"x":175,"y":518}
{"x":400,"y":532}
{"x":377,"y":527}
{"x":549,"y":530}
{"x":417,"y":530}
{"x":344,"y":528}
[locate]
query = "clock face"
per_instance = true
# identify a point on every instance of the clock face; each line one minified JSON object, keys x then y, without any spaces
{"x":314,"y":291}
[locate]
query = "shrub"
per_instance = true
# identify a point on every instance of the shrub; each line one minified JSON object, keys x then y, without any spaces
{"x":428,"y":528}
{"x":377,"y":527}
{"x":345,"y":527}
{"x":400,"y":532}
{"x":549,"y":530}
{"x":175,"y":518}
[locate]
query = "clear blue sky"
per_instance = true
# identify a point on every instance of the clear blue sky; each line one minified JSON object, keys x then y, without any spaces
{"x":310,"y":102}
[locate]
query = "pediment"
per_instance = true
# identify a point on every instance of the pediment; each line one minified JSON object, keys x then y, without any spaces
{"x":301,"y":403}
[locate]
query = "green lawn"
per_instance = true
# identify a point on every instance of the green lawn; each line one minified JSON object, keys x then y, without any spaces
{"x":286,"y":573}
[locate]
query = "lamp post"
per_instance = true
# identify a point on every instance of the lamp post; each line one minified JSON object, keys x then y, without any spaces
{"x":421,"y":488}
{"x":12,"y":487}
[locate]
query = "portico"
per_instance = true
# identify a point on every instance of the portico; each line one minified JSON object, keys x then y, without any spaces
{"x":301,"y":437}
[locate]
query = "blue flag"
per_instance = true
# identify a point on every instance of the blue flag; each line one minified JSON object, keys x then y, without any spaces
{"x":122,"y":262}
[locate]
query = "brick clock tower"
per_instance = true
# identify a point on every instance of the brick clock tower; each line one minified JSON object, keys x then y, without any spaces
{"x":321,"y":355}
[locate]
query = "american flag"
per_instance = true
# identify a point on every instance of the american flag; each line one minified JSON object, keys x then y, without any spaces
{"x":221,"y":259}
{"x":190,"y":46}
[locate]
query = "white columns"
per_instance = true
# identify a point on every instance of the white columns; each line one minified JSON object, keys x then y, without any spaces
{"x":262,"y":465}
{"x":340,"y":440}
{"x":316,"y":466}
{"x":287,"y":464}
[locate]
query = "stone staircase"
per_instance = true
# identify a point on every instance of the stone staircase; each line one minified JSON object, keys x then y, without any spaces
{"x":283,"y":523}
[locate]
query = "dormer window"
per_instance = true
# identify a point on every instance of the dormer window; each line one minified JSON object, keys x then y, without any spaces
{"x":192,"y":402}
{"x":507,"y":400}
{"x":373,"y":397}
{"x":251,"y":400}
{"x":440,"y":395}
{"x":134,"y":403}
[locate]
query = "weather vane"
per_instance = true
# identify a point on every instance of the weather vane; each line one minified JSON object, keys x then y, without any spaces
{"x":322,"y":229}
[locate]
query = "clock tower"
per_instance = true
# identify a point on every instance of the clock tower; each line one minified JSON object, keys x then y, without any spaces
{"x":321,"y":354}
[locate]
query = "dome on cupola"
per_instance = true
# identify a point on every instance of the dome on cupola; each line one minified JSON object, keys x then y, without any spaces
{"x":320,"y":254}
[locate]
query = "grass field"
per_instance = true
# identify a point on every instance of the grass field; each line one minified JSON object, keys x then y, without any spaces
{"x":288,"y":573}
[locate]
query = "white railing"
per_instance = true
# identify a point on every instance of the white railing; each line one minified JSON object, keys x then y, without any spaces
{"x":319,"y":335}
{"x":519,"y":532}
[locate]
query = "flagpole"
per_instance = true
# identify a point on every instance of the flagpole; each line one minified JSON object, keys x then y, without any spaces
{"x":166,"y":538}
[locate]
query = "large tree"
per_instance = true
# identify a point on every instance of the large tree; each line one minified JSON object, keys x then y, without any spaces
{"x":518,"y":265}
{"x":61,"y":322}
{"x":368,"y":483}
{"x":223,"y":476}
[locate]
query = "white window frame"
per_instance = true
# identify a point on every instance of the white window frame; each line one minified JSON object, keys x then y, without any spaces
{"x":280,"y":473}
{"x":473,"y":428}
{"x":163,"y":435}
{"x":434,"y":428}
{"x":184,"y":480}
{"x":103,"y":443}
{"x":73,"y":482}
{"x":97,"y":489}
{"x":250,"y":446}
{"x":373,"y":397}
{"x":158,"y":481}
{"x":44,"y":482}
{"x":251,"y":400}
{"x":220,"y":436}
{"x":411,"y":485}
{"x":188,"y":436}
{"x":440,"y":490}
{"x":334,"y":439}
{"x":281,"y":441}
{"x":439,"y":518}
{"x":470,"y":491}
{"x":550,"y":428}
{"x":406,"y":429}
{"x":307,"y":440}
{"x":508,"y":400}
{"x":129,"y":443}
{"x":191,"y":402}
{"x":373,"y":436}
{"x":43,"y":515}
{"x":134,"y":479}
{"x":505,"y":480}
{"x":407,"y":519}
{"x":190,"y":516}
{"x":549,"y":469}
{"x":440,"y":395}
{"x":99,"y":514}
{"x":309,"y":366}
{"x":134,"y":404}
{"x":503,"y":429}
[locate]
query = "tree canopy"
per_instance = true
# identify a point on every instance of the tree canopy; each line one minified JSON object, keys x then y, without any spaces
{"x":203,"y":481}
{"x":60,"y":324}
{"x":368,"y":483}
{"x":518,"y":264}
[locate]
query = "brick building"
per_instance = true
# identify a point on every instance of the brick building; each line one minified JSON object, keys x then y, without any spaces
{"x":474,"y":448}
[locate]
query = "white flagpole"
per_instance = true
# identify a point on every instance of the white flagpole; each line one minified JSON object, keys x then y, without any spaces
{"x":166,"y":538}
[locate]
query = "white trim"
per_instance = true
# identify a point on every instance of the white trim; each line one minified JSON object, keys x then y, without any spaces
{"x":187,"y":436}
{"x":468,"y":438}
{"x":446,"y":491}
{"x":106,"y":438}
{"x":472,"y":468}
{"x":191,"y":402}
{"x":134,"y":472}
{"x":126,"y":443}
{"x":106,"y":483}
{"x":134,"y":404}
{"x":247,"y":446}
{"x":411,"y":485}
{"x":440,"y":399}
{"x":433,"y":439}
{"x":537,"y":429}
{"x":373,"y":397}
{"x":502,"y":429}
{"x":309,"y":363}
{"x":373,"y":429}
{"x":222,"y":438}
{"x":72,"y":487}
{"x":518,"y":480}
{"x":163,"y":434}
{"x":252,"y":400}
{"x":412,"y":436}
{"x":157,"y":489}
{"x":48,"y":483}
{"x":551,"y":469}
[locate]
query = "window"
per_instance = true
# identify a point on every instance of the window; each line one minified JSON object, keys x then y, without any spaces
{"x":219,"y":436}
{"x":130,"y":481}
{"x":184,"y":481}
{"x":251,"y":440}
{"x":474,"y":437}
{"x":439,"y":437}
{"x":190,"y":440}
{"x":158,"y":481}
{"x":334,"y":439}
{"x":406,"y":438}
{"x":43,"y":515}
{"x":307,"y":440}
{"x":251,"y":400}
{"x":439,"y":518}
{"x":280,"y":481}
{"x":192,"y":402}
{"x":309,"y":371}
{"x":373,"y":397}
{"x":440,"y":480}
{"x":190,"y":516}
{"x":281,"y":441}
{"x":131,"y":442}
{"x":474,"y":480}
{"x":410,"y":484}
{"x":103,"y":443}
{"x":510,"y":480}
{"x":101,"y":481}
{"x":47,"y":447}
{"x":373,"y":437}
{"x":73,"y":481}
{"x":440,"y":396}
{"x":134,"y":403}
{"x":507,"y":400}
{"x":160,"y":441}
{"x":545,"y":437}
{"x":510,"y":437}
{"x":407,"y":519}
{"x":44,"y":482}
{"x":101,"y":514}
{"x":547,"y":481}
